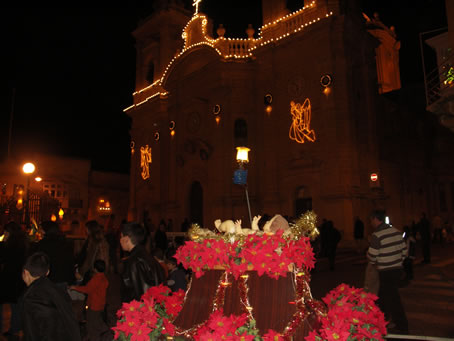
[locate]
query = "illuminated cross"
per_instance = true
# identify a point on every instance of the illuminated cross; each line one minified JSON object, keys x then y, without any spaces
{"x":196,"y":4}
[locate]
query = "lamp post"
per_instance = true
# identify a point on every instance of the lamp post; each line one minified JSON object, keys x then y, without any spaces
{"x":240,"y":175}
{"x":28,"y":169}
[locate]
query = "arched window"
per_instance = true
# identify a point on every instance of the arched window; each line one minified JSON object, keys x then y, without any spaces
{"x":150,"y":72}
{"x":240,"y":133}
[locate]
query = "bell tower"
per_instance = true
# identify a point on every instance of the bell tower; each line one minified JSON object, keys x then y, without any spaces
{"x":158,"y":39}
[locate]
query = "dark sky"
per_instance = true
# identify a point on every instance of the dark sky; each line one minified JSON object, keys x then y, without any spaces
{"x":73,"y":70}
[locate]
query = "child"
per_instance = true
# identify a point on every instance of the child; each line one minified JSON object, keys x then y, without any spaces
{"x":96,"y":300}
{"x":177,"y":276}
{"x":47,"y":313}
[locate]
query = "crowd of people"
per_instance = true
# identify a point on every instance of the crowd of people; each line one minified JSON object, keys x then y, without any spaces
{"x":61,"y":288}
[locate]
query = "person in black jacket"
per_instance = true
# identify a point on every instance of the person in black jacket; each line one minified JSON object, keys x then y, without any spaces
{"x":60,"y":251}
{"x":13,"y":253}
{"x":140,"y":269}
{"x":47,"y":313}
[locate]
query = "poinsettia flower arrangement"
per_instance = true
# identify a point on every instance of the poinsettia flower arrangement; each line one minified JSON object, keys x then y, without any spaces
{"x":204,"y":255}
{"x":151,"y":317}
{"x":233,"y":327}
{"x":352,"y":315}
{"x":270,"y":254}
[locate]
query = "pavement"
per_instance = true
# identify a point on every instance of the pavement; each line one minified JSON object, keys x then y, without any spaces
{"x":428,"y":299}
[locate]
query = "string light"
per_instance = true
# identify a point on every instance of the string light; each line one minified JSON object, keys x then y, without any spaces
{"x":227,"y":48}
{"x":301,"y":119}
{"x":145,"y":160}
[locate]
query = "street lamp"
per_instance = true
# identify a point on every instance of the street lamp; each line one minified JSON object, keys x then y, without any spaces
{"x":28,"y":169}
{"x":240,"y":175}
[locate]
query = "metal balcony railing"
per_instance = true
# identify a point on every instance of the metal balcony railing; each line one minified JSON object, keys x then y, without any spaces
{"x":440,"y":80}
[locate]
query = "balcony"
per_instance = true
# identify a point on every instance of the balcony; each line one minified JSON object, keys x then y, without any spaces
{"x":440,"y":92}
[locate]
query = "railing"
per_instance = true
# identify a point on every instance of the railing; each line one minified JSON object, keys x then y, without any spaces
{"x":439,"y":80}
{"x":239,"y":48}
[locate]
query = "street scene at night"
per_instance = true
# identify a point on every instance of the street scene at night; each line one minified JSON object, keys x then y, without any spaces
{"x":228,"y":170}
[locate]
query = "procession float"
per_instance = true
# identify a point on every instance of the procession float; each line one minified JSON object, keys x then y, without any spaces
{"x":251,"y":284}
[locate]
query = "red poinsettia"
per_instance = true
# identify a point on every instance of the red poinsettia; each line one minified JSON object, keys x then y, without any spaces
{"x":272,"y":336}
{"x":233,"y":327}
{"x":269,"y":254}
{"x":352,"y":315}
{"x":150,"y":317}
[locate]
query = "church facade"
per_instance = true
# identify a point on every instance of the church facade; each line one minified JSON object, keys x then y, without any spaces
{"x":304,"y":94}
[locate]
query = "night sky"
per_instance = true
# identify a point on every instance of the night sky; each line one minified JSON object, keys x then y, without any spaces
{"x":73,"y":70}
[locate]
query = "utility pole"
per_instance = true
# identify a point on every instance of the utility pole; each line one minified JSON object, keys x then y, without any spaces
{"x":11,"y":115}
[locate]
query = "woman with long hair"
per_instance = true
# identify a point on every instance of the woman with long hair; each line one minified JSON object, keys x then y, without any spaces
{"x":95,"y":247}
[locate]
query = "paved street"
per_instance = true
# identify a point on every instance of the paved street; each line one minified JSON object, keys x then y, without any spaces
{"x":428,"y":299}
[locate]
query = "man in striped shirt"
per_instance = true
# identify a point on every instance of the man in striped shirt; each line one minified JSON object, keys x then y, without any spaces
{"x":387,"y":251}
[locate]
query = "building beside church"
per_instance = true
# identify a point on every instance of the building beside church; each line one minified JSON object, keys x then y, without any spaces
{"x":314,"y":94}
{"x":65,"y":183}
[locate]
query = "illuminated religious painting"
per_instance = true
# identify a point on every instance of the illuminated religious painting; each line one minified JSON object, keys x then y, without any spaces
{"x":145,"y":160}
{"x":301,"y":119}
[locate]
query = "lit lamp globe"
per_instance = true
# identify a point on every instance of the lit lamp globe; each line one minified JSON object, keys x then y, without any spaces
{"x":242,"y":155}
{"x":28,"y":168}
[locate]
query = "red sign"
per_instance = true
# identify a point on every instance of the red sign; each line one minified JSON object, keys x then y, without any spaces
{"x":374,"y":177}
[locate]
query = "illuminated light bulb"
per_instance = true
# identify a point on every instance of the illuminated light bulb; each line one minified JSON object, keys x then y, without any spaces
{"x":269,"y":109}
{"x":61,"y":213}
{"x":172,"y":133}
{"x":53,"y":217}
{"x":217,"y":119}
{"x":327,"y":90}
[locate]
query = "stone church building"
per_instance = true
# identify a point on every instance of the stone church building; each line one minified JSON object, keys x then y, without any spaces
{"x":314,"y":94}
